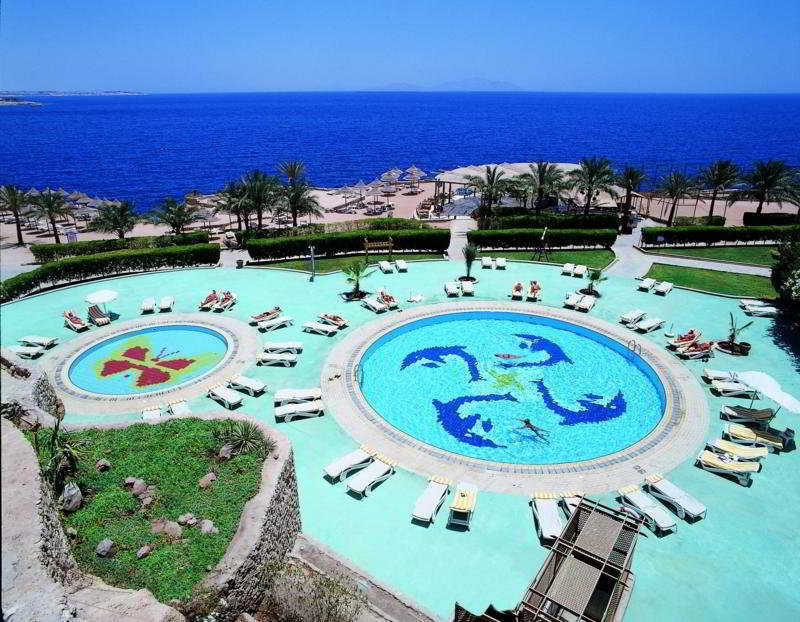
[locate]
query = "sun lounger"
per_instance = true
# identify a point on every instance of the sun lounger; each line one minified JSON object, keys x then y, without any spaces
{"x":740,"y":452}
{"x":266,"y":315}
{"x":749,"y":302}
{"x":655,"y":516}
{"x":646,"y":284}
{"x":571,"y":300}
{"x":320,"y":329}
{"x":179,"y":408}
{"x":500,"y":263}
{"x":451,"y":288}
{"x":568,"y":268}
{"x":296,"y":396}
{"x":209,"y":301}
{"x":226,"y":302}
{"x":743,"y":435}
{"x":27,"y":352}
{"x":743,"y":414}
{"x":570,"y":501}
{"x":682,"y":341}
{"x":697,"y":351}
{"x":684,"y":504}
{"x":762,"y":311}
{"x":387,"y":299}
{"x":274,"y":358}
{"x":663,"y":288}
{"x":533,"y":293}
{"x":731,"y":388}
{"x":586,"y":303}
{"x":166,"y":303}
{"x":549,"y":523}
{"x":385,"y":267}
{"x":431,"y":499}
{"x":633,"y":316}
{"x":648,"y":324}
{"x":289,"y":412}
{"x":148,"y":305}
{"x":379,"y":470}
{"x":224,"y":396}
{"x":251,"y":386}
{"x":333,"y":319}
{"x":151,"y":414}
{"x":72,"y":321}
{"x":38,"y":340}
{"x":486,"y":263}
{"x":373,"y":304}
{"x":517,"y":290}
{"x":97,"y":316}
{"x":278,"y":322}
{"x":467,"y":288}
{"x":281,"y":347}
{"x":463,"y":505}
{"x":742,"y":470}
{"x":342,"y":467}
{"x":715,"y":374}
{"x":401,"y":265}
{"x":579,"y":271}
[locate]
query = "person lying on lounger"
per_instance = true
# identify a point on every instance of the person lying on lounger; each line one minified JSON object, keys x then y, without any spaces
{"x":387,"y":298}
{"x":535,"y":288}
{"x":336,"y":319}
{"x":699,"y":347}
{"x":688,"y":336}
{"x":517,"y":289}
{"x":527,"y":424}
{"x":210,"y":298}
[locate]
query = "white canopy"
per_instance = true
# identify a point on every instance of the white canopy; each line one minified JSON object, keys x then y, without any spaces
{"x":771,"y":388}
{"x":101,"y":297}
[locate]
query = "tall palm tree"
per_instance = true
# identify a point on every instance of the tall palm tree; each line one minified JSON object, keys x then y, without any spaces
{"x":769,"y":182}
{"x":631,"y":179}
{"x":176,"y":215}
{"x":14,"y":199}
{"x":51,"y":205}
{"x":293,"y":169}
{"x":299,"y":201}
{"x":261,"y":192}
{"x":719,"y":175}
{"x":545,"y":180}
{"x":119,"y":218}
{"x":677,"y":186}
{"x":593,"y":177}
{"x":491,"y":187}
{"x":234,"y":197}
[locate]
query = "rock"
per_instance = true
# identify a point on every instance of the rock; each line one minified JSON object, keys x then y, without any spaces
{"x":104,"y":548}
{"x":187,"y":519}
{"x":206,"y":526}
{"x":139,"y":487}
{"x":72,"y":532}
{"x":206,"y":480}
{"x":130,"y":481}
{"x":173,"y":530}
{"x":158,"y":525}
{"x":102,"y":465}
{"x":143,"y":552}
{"x":146,"y":501}
{"x":225,"y":452}
{"x":71,"y":498}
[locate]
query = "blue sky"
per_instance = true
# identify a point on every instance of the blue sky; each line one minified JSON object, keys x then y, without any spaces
{"x":260,"y":45}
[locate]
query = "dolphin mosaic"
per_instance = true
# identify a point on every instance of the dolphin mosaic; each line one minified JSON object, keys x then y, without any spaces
{"x":460,"y":427}
{"x":534,"y":343}
{"x":434,"y":357}
{"x":592,"y":411}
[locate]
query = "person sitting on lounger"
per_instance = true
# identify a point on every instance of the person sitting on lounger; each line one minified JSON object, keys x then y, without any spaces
{"x":386,"y":297}
{"x":335,"y":319}
{"x":517,"y":289}
{"x":535,"y":289}
{"x":691,"y":335}
{"x":72,"y":317}
{"x":527,"y":424}
{"x":210,"y":298}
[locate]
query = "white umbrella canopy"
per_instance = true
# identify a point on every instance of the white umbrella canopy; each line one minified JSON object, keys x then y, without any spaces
{"x":101,"y":297}
{"x":767,"y":385}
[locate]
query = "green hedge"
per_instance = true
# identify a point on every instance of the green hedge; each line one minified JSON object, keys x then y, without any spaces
{"x":531,"y":238}
{"x":429,"y":240}
{"x":699,"y":221}
{"x":45,"y":253}
{"x":371,"y":224}
{"x":110,"y":263}
{"x":556,"y":221}
{"x":753,"y":219}
{"x":710,"y":235}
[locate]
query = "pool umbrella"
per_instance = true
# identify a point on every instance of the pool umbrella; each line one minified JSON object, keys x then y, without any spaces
{"x":375,"y":193}
{"x":767,"y":385}
{"x":102,"y":297}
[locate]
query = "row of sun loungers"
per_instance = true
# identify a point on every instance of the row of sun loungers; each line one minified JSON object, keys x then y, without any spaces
{"x":380,"y":302}
{"x":214,"y":302}
{"x":663,"y":288}
{"x":179,"y":408}
{"x":581,"y":302}
{"x":386,"y":267}
{"x":488,"y":263}
{"x":457,"y":288}
{"x":534,"y":291}
{"x":165,"y":304}
{"x":758,"y":308}
{"x":571,"y":269}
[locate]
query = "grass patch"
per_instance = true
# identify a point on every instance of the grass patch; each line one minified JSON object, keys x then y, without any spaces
{"x":731,"y":283}
{"x":760,"y":255}
{"x":332,"y":264}
{"x":173,"y":456}
{"x":594,"y":258}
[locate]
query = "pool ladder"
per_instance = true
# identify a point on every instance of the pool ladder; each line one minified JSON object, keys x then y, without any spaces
{"x":634,"y":346}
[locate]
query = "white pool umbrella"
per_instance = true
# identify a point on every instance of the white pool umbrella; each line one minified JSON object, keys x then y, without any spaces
{"x":102,"y":297}
{"x":767,"y":385}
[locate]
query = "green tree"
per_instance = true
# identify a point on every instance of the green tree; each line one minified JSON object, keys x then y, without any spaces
{"x":119,"y":218}
{"x":261,"y":193}
{"x":786,"y":273}
{"x":719,"y":175}
{"x":491,"y":188}
{"x":175,"y":214}
{"x":677,"y":186}
{"x":470,"y":252}
{"x":593,"y":176}
{"x":234,"y":202}
{"x":51,"y":205}
{"x":595,"y":276}
{"x":294,"y":170}
{"x":545,"y":180}
{"x":769,"y":182}
{"x":299,"y":201}
{"x":14,"y":199}
{"x":356,"y":271}
{"x":630,"y":179}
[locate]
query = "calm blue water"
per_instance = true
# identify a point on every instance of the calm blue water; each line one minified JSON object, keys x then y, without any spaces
{"x":151,"y":359}
{"x":441,"y":380}
{"x":143,"y":148}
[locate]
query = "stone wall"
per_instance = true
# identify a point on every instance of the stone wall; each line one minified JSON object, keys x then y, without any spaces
{"x":44,"y":396}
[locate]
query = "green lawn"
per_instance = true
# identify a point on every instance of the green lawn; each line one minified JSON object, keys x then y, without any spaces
{"x":333,"y":264}
{"x":173,"y":456}
{"x":594,"y":258}
{"x":731,"y":283}
{"x":761,"y":255}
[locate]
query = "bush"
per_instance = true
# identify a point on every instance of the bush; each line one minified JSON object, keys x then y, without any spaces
{"x":370,"y":224}
{"x":429,"y":240}
{"x":710,"y":235}
{"x":243,"y":237}
{"x":556,"y":221}
{"x":45,"y":253}
{"x":531,"y":238}
{"x":689,"y":221}
{"x":113,"y":262}
{"x":786,"y":273}
{"x":752,"y":219}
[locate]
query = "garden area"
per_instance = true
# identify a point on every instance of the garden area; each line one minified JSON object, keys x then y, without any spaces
{"x":759,"y":255}
{"x":332,"y":264}
{"x":715,"y":281}
{"x":598,"y":258}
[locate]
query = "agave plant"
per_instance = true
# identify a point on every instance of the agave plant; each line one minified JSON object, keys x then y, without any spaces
{"x":356,"y":271}
{"x":470,"y":252}
{"x":243,"y":437}
{"x":735,"y":330}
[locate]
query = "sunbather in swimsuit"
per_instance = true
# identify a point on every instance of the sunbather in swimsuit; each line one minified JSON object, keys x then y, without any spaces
{"x":527,"y":424}
{"x":211,"y":297}
{"x":688,"y":336}
{"x":535,"y":288}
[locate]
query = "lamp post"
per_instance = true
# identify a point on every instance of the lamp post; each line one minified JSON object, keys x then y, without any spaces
{"x":313,"y":264}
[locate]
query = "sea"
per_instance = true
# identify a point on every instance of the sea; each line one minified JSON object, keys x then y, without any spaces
{"x":144,"y":148}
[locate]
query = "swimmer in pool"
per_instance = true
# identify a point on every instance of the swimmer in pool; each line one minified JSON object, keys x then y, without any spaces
{"x":527,"y":424}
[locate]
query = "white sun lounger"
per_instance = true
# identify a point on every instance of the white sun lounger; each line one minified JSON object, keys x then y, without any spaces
{"x":401,"y":265}
{"x":586,"y":303}
{"x":740,"y":452}
{"x":278,"y":322}
{"x":431,"y":499}
{"x":743,"y":435}
{"x":342,"y":467}
{"x":633,"y":316}
{"x":568,"y":268}
{"x":27,"y":352}
{"x":393,"y":304}
{"x":166,"y":303}
{"x":226,"y":303}
{"x":451,"y":288}
{"x":684,"y":504}
{"x":486,"y":263}
{"x":320,"y":329}
{"x":517,"y":290}
{"x":326,"y":319}
{"x":275,"y":358}
{"x":179,"y":408}
{"x":742,"y":470}
{"x":467,"y":288}
{"x":762,"y":311}
{"x":373,"y":304}
{"x":385,"y":267}
{"x":715,"y":374}
{"x":732,"y":388}
{"x":251,"y":386}
{"x":741,"y":414}
{"x":750,"y":302}
{"x":289,"y":412}
{"x":379,"y":470}
{"x":151,"y":414}
{"x":296,"y":396}
{"x":646,"y":284}
{"x":280,"y":347}
{"x":570,"y":501}
{"x":148,"y":305}
{"x":462,"y":507}
{"x":648,"y":324}
{"x":580,"y":270}
{"x":663,"y":288}
{"x":570,"y":300}
{"x":500,"y":263}
{"x":38,"y":340}
{"x":207,"y":305}
{"x":549,"y":523}
{"x":655,"y":516}
{"x":224,"y":396}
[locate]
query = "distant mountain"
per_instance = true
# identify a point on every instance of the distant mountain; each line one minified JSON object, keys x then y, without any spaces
{"x":467,"y":84}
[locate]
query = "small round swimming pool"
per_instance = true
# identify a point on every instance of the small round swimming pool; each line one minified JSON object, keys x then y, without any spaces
{"x":511,"y":387}
{"x":148,"y":360}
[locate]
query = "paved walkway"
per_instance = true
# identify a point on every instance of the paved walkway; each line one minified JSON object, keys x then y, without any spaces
{"x":458,"y":236}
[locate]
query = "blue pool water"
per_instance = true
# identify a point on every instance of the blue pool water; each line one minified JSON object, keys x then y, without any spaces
{"x":441,"y":381}
{"x":147,"y":360}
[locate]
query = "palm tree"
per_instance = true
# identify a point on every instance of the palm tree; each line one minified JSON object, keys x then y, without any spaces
{"x":176,"y":215}
{"x":595,"y":276}
{"x":769,"y":182}
{"x":491,"y":187}
{"x":356,"y":271}
{"x":261,"y":192}
{"x":299,"y":201}
{"x":470,"y":252}
{"x":234,"y":196}
{"x":677,"y":186}
{"x":51,"y":205}
{"x":593,"y":177}
{"x":14,"y":199}
{"x":631,"y":179}
{"x":293,"y":169}
{"x":545,"y":180}
{"x":718,"y":176}
{"x":119,"y":218}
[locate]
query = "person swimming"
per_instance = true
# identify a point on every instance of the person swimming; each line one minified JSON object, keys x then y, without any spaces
{"x":527,"y":424}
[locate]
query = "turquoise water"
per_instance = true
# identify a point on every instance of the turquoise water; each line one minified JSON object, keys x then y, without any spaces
{"x":441,"y":381}
{"x":151,"y":359}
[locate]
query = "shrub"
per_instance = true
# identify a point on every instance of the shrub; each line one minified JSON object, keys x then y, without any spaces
{"x":753,"y":219}
{"x":113,"y":262}
{"x":689,"y":221}
{"x":370,"y":224}
{"x":556,"y":221}
{"x":242,"y":237}
{"x":531,"y":238}
{"x":786,"y":272}
{"x":710,"y":235}
{"x":44,"y":253}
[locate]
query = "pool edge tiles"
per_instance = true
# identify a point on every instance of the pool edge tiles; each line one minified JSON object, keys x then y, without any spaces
{"x":672,"y":440}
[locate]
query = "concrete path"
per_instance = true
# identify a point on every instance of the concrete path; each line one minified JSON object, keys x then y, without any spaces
{"x":458,"y":236}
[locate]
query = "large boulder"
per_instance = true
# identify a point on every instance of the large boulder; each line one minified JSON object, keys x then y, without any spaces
{"x":206,"y":526}
{"x":71,"y":498}
{"x":173,"y":530}
{"x":104,"y":547}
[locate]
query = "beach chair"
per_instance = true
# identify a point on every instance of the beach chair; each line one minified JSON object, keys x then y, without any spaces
{"x":224,"y":396}
{"x":385,"y":267}
{"x":334,"y":320}
{"x":731,"y":388}
{"x":500,"y":263}
{"x":251,"y":386}
{"x":451,"y":288}
{"x":742,"y":414}
{"x":209,"y":301}
{"x":749,"y":302}
{"x":27,"y":352}
{"x":290,"y":412}
{"x":151,"y":414}
{"x":572,"y":299}
{"x":646,"y":284}
{"x":567,"y":268}
{"x":534,"y":292}
{"x":570,"y":501}
{"x":548,"y":521}
{"x":401,"y":265}
{"x":633,"y":316}
{"x":697,"y":351}
{"x":586,"y":303}
{"x":73,"y":322}
{"x":687,"y":339}
{"x":467,"y":288}
{"x":379,"y":470}
{"x":387,"y":299}
{"x":98,"y":316}
{"x":715,"y":374}
{"x":320,"y":329}
{"x":179,"y":408}
{"x":286,"y":359}
{"x":648,"y":324}
{"x":762,"y":311}
{"x":166,"y":303}
{"x":486,"y":263}
{"x":275,"y":323}
{"x":743,"y":435}
{"x":579,"y":271}
{"x":462,"y":507}
{"x":265,"y":315}
{"x":655,"y":517}
{"x":663,"y":288}
{"x":226,"y":302}
{"x":741,"y":470}
{"x":373,"y":304}
{"x":740,"y":452}
{"x":684,"y":504}
{"x":296,"y":396}
{"x":517,"y":290}
{"x":148,"y":305}
{"x":38,"y":340}
{"x":342,"y":467}
{"x":431,"y":499}
{"x":282,"y":347}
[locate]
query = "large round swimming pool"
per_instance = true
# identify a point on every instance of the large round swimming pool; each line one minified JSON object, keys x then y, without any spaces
{"x":148,"y":360}
{"x":511,"y":387}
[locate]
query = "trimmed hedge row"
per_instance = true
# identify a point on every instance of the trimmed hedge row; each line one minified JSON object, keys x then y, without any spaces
{"x":753,"y":219}
{"x":244,"y":236}
{"x":697,"y":221}
{"x":429,"y":240}
{"x":45,"y":253}
{"x":371,"y":224}
{"x":531,"y":238}
{"x":112,"y":262}
{"x":556,"y":221}
{"x":710,"y":235}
